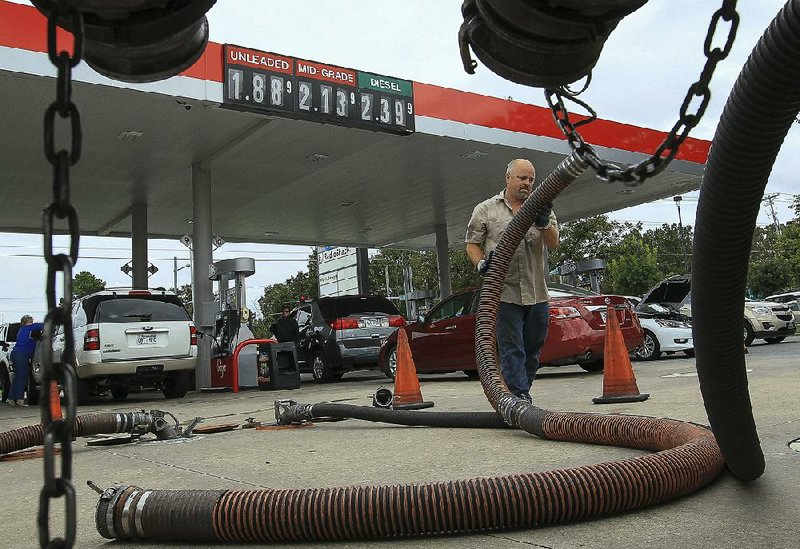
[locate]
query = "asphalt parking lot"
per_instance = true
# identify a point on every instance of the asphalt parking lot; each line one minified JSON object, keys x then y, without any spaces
{"x":725,"y":514}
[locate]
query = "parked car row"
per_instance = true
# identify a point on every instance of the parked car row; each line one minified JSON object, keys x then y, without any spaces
{"x":130,"y":338}
{"x":768,"y":320}
{"x":444,"y":339}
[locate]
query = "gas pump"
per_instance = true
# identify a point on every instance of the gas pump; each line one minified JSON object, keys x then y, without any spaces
{"x":231,"y":324}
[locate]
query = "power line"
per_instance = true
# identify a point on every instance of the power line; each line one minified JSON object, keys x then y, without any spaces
{"x":263,"y":260}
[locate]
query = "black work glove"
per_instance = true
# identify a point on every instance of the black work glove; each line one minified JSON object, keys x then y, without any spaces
{"x":483,"y":264}
{"x":543,"y":217}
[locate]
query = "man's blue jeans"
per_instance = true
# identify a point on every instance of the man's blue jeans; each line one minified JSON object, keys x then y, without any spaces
{"x":521,"y":331}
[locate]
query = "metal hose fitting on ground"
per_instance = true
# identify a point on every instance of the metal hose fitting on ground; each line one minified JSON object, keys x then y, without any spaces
{"x":760,"y":110}
{"x":91,"y":424}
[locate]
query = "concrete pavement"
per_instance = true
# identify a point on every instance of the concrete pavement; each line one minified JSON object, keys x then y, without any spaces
{"x":728,"y":513}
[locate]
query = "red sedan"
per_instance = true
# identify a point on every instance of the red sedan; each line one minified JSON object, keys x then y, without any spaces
{"x":444,"y":339}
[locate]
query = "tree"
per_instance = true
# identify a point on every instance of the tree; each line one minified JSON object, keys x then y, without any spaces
{"x":301,"y":285}
{"x":670,"y":245}
{"x":634,"y":271}
{"x":185,"y":295}
{"x":769,"y":276}
{"x":85,"y":283}
{"x":586,"y":238}
{"x":424,"y":267}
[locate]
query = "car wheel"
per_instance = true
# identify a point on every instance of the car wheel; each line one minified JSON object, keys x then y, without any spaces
{"x":33,"y":392}
{"x":321,"y":369}
{"x":120,"y":392}
{"x":592,"y":366}
{"x":650,"y":350}
{"x":176,"y":384}
{"x":774,"y":339}
{"x":749,"y":336}
{"x":5,"y":382}
{"x":390,"y":365}
{"x":84,"y":390}
{"x":689,"y":352}
{"x":472,"y":374}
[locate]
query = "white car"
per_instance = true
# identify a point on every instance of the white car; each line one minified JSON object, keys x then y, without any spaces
{"x":791,"y":300}
{"x":130,"y":337}
{"x":8,"y":337}
{"x":664,"y":332}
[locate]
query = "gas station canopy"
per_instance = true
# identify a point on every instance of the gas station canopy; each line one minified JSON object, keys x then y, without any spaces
{"x":391,"y":168}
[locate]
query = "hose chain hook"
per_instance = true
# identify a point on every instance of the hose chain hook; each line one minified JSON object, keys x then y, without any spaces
{"x":635,"y":175}
{"x":59,"y":430}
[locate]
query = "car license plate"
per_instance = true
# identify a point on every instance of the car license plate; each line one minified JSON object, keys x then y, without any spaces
{"x":146,"y":339}
{"x":372,"y":322}
{"x":149,"y":369}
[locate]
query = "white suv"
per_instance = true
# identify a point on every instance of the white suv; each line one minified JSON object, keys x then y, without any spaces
{"x":8,"y":338}
{"x":130,"y":337}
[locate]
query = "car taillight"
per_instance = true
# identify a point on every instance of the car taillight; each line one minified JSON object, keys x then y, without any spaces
{"x":192,"y":335}
{"x":397,"y":321}
{"x":564,"y":312}
{"x":139,"y":292}
{"x":91,"y":341}
{"x":344,"y":324}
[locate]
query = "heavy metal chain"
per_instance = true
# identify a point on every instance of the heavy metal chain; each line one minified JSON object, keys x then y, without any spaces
{"x":59,"y":425}
{"x":636,"y":174}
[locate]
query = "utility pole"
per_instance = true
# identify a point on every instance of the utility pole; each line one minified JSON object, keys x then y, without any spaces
{"x":770,"y":199}
{"x":677,"y":200}
{"x":175,"y":270}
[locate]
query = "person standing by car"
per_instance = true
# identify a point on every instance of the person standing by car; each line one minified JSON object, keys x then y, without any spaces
{"x":523,"y":316}
{"x":286,"y":328}
{"x":21,"y":358}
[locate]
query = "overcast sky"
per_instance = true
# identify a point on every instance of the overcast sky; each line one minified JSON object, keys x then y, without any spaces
{"x":642,"y":77}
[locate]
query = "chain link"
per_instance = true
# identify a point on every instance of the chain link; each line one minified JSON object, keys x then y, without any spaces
{"x":698,"y":94}
{"x":59,"y":430}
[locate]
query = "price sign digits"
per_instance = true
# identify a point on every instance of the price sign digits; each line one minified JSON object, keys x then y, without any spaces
{"x":259,"y":82}
{"x":235,"y":79}
{"x":399,"y":112}
{"x":277,"y":84}
{"x":304,"y":96}
{"x":366,"y":106}
{"x":342,"y":104}
{"x":276,"y":91}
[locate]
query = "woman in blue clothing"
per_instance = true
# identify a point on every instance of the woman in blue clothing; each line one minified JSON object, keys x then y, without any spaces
{"x":20,"y":359}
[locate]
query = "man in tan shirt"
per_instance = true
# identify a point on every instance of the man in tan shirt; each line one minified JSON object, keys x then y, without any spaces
{"x":523,"y":316}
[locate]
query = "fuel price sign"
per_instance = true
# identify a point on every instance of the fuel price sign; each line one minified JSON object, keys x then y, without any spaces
{"x":281,"y":85}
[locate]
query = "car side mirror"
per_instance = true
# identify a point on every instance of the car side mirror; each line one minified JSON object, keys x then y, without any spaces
{"x":421,"y":319}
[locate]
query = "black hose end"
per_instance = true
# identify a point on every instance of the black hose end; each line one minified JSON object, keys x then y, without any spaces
{"x":746,"y":464}
{"x":104,"y":513}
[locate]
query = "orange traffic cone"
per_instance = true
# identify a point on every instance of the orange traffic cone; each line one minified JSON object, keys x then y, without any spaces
{"x":407,"y":395}
{"x":619,"y":383}
{"x":55,"y":401}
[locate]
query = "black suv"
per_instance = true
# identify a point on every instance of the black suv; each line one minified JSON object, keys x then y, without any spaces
{"x":343,"y":333}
